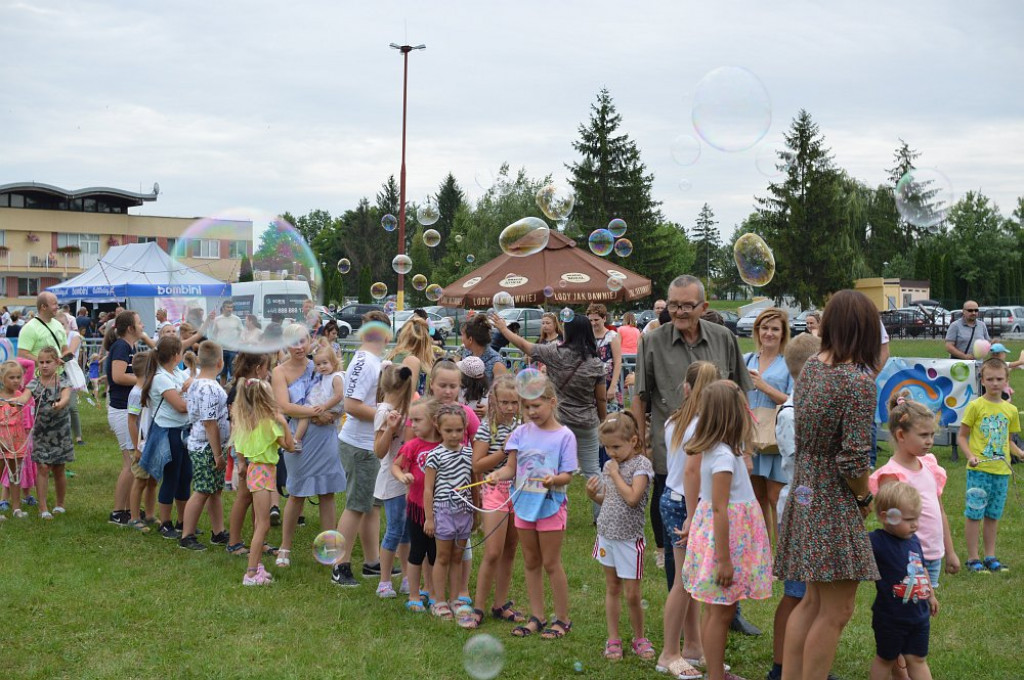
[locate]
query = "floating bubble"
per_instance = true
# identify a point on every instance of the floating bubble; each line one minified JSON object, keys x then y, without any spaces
{"x":924,"y":197}
{"x":981,"y":348}
{"x":464,"y":615}
{"x":503,"y":300}
{"x":344,"y":266}
{"x":483,"y":656}
{"x":427,"y":214}
{"x":471,"y":258}
{"x":601,"y":242}
{"x":754,"y":260}
{"x":563,"y":283}
{"x":773,"y":161}
{"x":379,"y":290}
{"x":328,"y":547}
{"x":977,"y":498}
{"x":548,"y":291}
{"x":614,"y":284}
{"x":389,"y":222}
{"x":731,"y":109}
{"x":623,"y":247}
{"x":276,"y":251}
{"x":530,"y":383}
{"x":685,"y":149}
{"x":419,"y":282}
{"x":803,"y":495}
{"x":402,"y":264}
{"x":617,"y":227}
{"x":644,"y":604}
{"x":556,"y":201}
{"x":578,"y":666}
{"x":524,"y":237}
{"x":960,"y":371}
{"x":893,"y":516}
{"x":458,"y":238}
{"x":685,"y":185}
{"x":431,"y":238}
{"x":434,"y":292}
{"x":566,"y":315}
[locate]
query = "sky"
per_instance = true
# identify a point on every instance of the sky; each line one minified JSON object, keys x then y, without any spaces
{"x":297,"y":106}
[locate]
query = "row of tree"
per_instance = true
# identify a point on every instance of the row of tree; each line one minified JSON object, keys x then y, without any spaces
{"x":826,"y":228}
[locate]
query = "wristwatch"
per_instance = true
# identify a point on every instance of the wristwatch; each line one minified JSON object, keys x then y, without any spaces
{"x":865,"y":500}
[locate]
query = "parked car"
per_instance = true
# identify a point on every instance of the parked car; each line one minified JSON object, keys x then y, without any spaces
{"x":730,"y":318}
{"x":937,"y":314}
{"x":1003,"y":319}
{"x":528,"y":319}
{"x":457,"y":315}
{"x":904,"y":322}
{"x":798,"y":324}
{"x":745,"y":324}
{"x":399,"y":319}
{"x":353,"y":314}
{"x":645,"y":317}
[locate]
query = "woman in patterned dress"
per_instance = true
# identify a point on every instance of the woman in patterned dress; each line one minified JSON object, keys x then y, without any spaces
{"x":822,"y":541}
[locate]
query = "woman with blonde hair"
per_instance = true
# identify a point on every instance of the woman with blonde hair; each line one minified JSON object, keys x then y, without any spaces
{"x":550,"y":329}
{"x":415,"y":350}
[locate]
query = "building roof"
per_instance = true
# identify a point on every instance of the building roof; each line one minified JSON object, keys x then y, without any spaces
{"x":120,"y":196}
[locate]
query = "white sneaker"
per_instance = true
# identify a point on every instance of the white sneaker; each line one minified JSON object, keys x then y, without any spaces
{"x":59,"y":510}
{"x":45,"y":515}
{"x":659,"y":559}
{"x":385,"y":590}
{"x":20,"y":514}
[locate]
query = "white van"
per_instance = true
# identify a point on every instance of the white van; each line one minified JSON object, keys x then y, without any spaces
{"x":265,"y":299}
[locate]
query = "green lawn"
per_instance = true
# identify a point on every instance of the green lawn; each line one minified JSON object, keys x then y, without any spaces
{"x":84,"y":599}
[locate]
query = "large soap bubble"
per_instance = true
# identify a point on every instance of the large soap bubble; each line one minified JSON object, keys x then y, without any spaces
{"x":601,"y":242}
{"x":427,"y":213}
{"x":287,"y":283}
{"x":774,"y":160}
{"x":431,"y":238}
{"x":503,"y":300}
{"x":566,"y":315}
{"x":483,"y":656}
{"x":344,"y":266}
{"x":754,"y":260}
{"x":530,"y":383}
{"x":618,"y":227}
{"x":471,"y":258}
{"x":731,"y":109}
{"x":623,"y":247}
{"x":379,"y":290}
{"x":389,"y":222}
{"x":977,"y":498}
{"x":328,"y":547}
{"x":524,"y":237}
{"x":419,"y":282}
{"x":402,"y":264}
{"x":556,"y":201}
{"x":614,"y":284}
{"x":685,"y":150}
{"x":924,"y":197}
{"x":434,"y":292}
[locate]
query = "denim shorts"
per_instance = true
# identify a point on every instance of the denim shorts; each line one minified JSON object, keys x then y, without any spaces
{"x":673,"y":514}
{"x":396,"y":532}
{"x":995,"y":488}
{"x":795,"y":589}
{"x":934,"y":568}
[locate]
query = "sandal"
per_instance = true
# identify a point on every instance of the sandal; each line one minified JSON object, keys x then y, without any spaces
{"x":613,"y":650}
{"x":680,"y":669}
{"x":138,"y":525}
{"x":442,"y":611}
{"x":992,"y":564}
{"x":507,"y":612}
{"x":643,"y":648}
{"x":471,"y":619}
{"x":415,"y":606}
{"x":283,"y":557}
{"x":552,"y":633}
{"x":976,"y":566}
{"x":703,"y":663}
{"x":237,"y":549}
{"x":271,"y":550}
{"x":525,"y":630}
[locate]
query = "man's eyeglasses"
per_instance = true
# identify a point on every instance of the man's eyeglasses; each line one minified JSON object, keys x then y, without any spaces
{"x":973,"y":310}
{"x":686,"y":307}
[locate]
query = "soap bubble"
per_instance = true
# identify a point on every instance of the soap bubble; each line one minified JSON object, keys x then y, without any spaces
{"x":685,"y":150}
{"x":623,"y":247}
{"x":578,"y":666}
{"x":617,"y":227}
{"x":556,"y":201}
{"x":530,"y":383}
{"x":503,"y":300}
{"x":614,"y":284}
{"x":566,"y":315}
{"x":276,"y":251}
{"x":434,"y":292}
{"x":419,"y":282}
{"x":471,"y":258}
{"x":893,"y":516}
{"x":427,"y":214}
{"x":344,"y":266}
{"x":924,"y":197}
{"x":389,"y":222}
{"x":685,"y":185}
{"x":803,"y":495}
{"x":379,"y":290}
{"x":601,"y":242}
{"x":402,"y":264}
{"x":644,"y":604}
{"x":754,"y":260}
{"x":977,"y":498}
{"x":773,"y":161}
{"x":458,"y":238}
{"x":548,"y":291}
{"x":328,"y":547}
{"x":731,"y":109}
{"x":563,"y":283}
{"x":431,"y":238}
{"x":981,"y":348}
{"x":483,"y":656}
{"x":525,"y":237}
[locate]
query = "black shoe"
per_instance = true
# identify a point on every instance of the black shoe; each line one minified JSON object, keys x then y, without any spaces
{"x":120,"y":518}
{"x":190,"y":542}
{"x":180,"y":528}
{"x":742,"y":626}
{"x":220,"y":539}
{"x":342,"y":575}
{"x":774,"y":675}
{"x":168,"y":531}
{"x":275,"y":516}
{"x":371,"y":570}
{"x":302,"y":520}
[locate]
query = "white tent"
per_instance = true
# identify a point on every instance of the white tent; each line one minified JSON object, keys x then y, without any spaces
{"x":140,"y":275}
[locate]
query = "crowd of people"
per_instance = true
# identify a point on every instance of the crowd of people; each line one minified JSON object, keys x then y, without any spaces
{"x":753,"y":467}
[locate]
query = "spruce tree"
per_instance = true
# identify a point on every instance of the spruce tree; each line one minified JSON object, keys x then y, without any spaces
{"x":388,"y":198}
{"x":708,"y":243}
{"x":449,"y":198}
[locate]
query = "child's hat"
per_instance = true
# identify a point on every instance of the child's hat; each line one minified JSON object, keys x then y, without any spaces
{"x":472,"y":366}
{"x":998,"y":347}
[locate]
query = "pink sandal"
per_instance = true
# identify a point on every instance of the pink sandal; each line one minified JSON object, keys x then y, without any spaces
{"x":643,"y":648}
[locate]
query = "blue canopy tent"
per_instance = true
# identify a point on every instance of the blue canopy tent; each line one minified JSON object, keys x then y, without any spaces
{"x":143,"y":277}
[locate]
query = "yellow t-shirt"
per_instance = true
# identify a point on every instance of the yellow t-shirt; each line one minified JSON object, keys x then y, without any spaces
{"x":260,"y":445}
{"x":991,"y":425}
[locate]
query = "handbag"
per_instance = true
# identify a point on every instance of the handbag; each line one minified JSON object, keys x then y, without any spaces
{"x":75,"y":375}
{"x":764,"y":440}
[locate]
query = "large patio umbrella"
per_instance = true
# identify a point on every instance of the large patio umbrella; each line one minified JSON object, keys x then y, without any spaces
{"x":574,"y":275}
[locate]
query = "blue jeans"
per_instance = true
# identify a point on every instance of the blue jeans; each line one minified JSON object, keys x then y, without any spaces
{"x":673,"y":514}
{"x":176,"y":484}
{"x":397,"y":531}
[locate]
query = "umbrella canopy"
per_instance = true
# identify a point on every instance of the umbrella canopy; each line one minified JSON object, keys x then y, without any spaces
{"x":574,"y":275}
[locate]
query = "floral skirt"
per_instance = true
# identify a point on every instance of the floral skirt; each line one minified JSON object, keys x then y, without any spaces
{"x":749,"y":551}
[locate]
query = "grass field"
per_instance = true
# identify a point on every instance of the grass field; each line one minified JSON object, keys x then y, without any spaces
{"x":84,"y":599}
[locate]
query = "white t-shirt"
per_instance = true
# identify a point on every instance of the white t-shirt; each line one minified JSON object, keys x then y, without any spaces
{"x":785,"y":435}
{"x":135,"y":408}
{"x":323,"y":391}
{"x":227,"y":330}
{"x":361,"y":384}
{"x":164,"y":414}
{"x":720,"y":458}
{"x":675,"y":459}
{"x":387,"y":487}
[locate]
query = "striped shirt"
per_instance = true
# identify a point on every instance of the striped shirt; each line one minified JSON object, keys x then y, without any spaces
{"x":495,"y":440}
{"x":454,"y":469}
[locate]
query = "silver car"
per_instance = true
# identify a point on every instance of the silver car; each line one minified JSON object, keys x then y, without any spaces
{"x":745,"y":326}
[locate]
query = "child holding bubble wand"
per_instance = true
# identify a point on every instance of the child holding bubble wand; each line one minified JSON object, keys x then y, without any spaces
{"x":728,"y":556}
{"x":622,"y":490}
{"x":14,"y":435}
{"x":542,"y":459}
{"x":52,"y":446}
{"x":258,"y":430}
